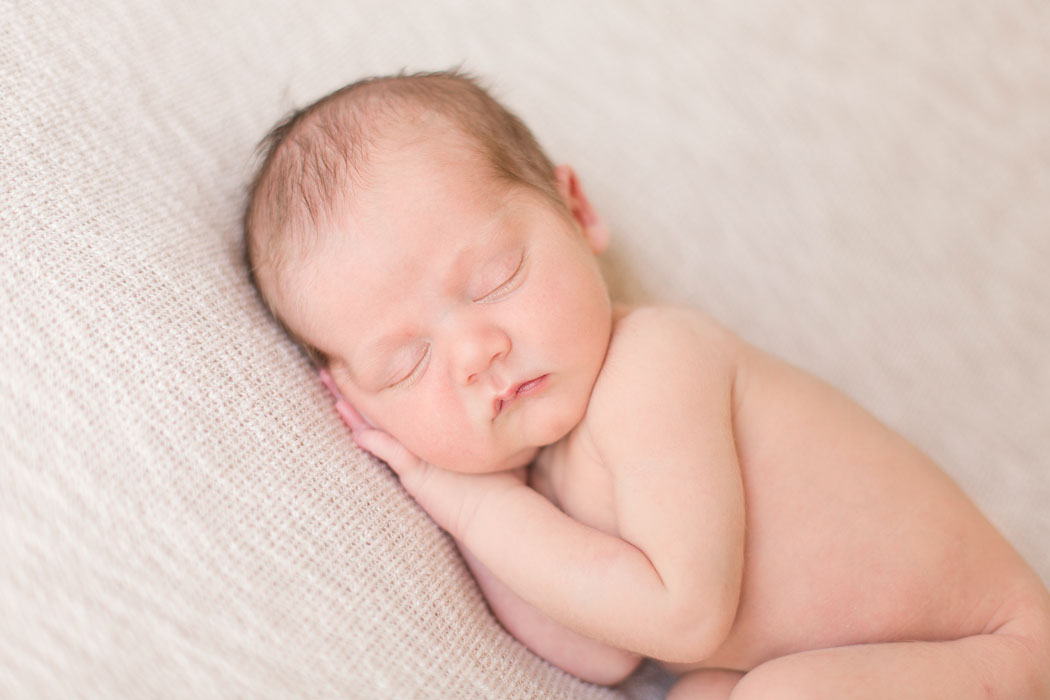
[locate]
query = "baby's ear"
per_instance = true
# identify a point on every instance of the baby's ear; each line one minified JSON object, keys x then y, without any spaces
{"x":572,"y":194}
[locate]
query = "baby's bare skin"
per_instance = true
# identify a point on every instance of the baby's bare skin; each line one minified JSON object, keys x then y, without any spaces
{"x":853,"y":535}
{"x":716,"y":508}
{"x":866,"y":571}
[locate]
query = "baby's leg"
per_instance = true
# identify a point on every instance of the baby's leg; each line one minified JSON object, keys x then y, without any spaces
{"x":1007,"y":664}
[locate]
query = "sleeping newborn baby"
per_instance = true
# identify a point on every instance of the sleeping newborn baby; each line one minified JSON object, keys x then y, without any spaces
{"x":624,"y":482}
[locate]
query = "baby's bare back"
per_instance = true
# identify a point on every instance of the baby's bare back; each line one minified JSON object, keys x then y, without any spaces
{"x":853,"y":535}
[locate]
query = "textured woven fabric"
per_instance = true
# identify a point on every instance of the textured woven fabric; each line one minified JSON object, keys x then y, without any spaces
{"x":859,"y":189}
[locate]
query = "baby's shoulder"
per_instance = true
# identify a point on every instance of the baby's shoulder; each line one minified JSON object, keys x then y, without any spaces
{"x":672,"y":332}
{"x":660,"y":351}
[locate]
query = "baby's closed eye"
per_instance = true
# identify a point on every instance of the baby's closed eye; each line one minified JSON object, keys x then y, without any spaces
{"x":502,"y":276}
{"x":418,"y":368}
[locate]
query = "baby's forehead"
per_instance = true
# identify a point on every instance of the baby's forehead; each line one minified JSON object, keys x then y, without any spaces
{"x":402,"y":239}
{"x":430,"y":177}
{"x":424,"y":192}
{"x":405,"y":228}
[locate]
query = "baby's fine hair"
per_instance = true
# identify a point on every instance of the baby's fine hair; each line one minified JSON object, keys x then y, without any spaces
{"x":316,"y":157}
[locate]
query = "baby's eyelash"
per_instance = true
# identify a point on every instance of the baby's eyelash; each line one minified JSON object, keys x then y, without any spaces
{"x":415,"y":374}
{"x":499,"y":291}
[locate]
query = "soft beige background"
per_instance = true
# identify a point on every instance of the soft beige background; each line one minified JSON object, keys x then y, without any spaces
{"x":860,"y":188}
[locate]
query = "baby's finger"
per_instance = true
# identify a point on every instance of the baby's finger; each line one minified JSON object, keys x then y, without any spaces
{"x":351,"y":416}
{"x":387,"y":449}
{"x":326,"y":379}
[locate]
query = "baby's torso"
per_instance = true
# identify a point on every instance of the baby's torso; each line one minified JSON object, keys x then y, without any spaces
{"x":853,"y":536}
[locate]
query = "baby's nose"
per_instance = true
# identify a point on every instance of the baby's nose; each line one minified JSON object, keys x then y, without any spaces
{"x":477,"y":350}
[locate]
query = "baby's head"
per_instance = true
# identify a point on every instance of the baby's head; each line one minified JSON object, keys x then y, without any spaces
{"x":412,"y":236}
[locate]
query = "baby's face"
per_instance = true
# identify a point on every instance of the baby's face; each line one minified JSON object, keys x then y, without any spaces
{"x":465,"y":317}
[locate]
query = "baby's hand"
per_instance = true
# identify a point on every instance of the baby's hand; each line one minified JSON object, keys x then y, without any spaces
{"x":450,"y":498}
{"x":347,"y":412}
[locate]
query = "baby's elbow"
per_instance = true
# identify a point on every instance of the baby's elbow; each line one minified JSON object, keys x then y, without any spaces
{"x":695,"y":634}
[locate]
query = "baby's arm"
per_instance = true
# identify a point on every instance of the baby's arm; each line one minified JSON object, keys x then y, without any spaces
{"x":668,"y":587}
{"x":581,"y":656}
{"x":570,"y":651}
{"x":661,"y":419}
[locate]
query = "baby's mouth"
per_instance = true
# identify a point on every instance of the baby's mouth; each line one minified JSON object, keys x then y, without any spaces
{"x":528,"y":388}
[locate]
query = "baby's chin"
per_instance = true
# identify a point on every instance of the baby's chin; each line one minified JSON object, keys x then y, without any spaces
{"x":489,"y":464}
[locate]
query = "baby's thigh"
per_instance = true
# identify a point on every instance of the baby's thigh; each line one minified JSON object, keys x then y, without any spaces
{"x":978,"y":667}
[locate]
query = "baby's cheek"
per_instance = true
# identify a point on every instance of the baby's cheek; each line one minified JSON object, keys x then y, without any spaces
{"x":435,"y":440}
